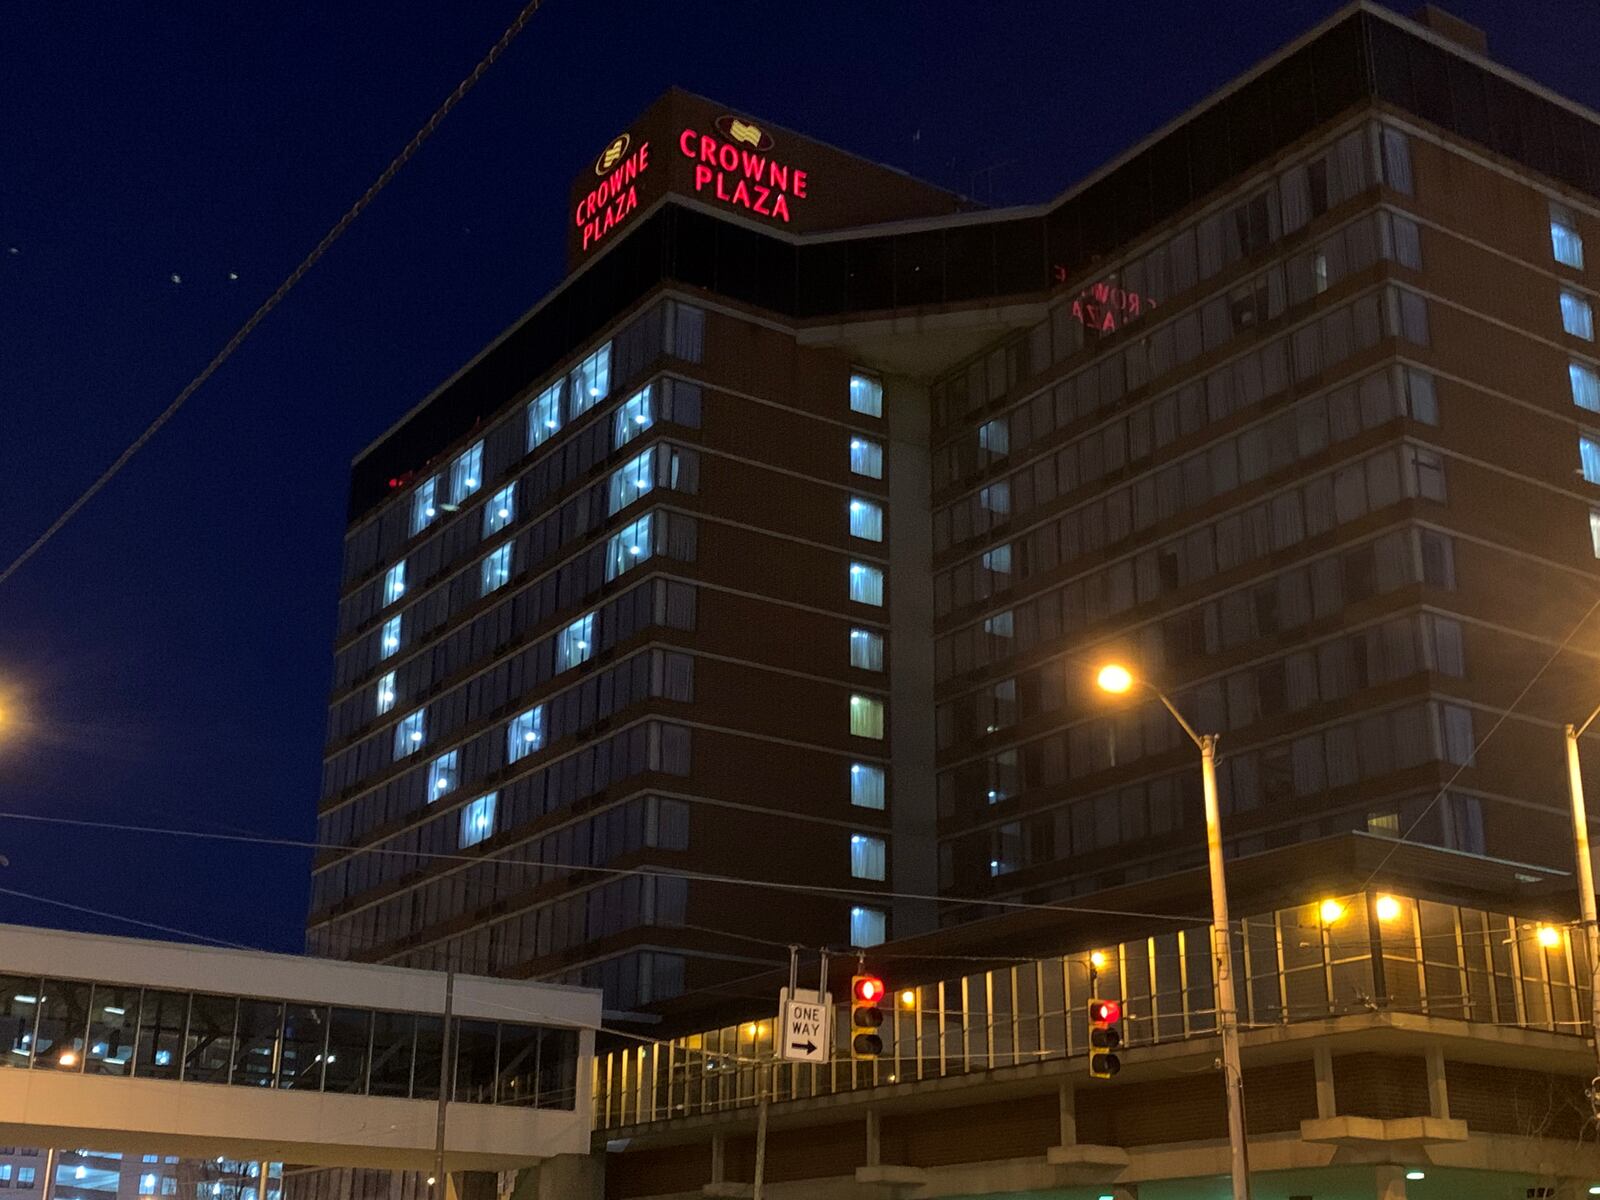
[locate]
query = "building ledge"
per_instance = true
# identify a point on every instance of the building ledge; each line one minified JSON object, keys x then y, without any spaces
{"x":1097,"y":1157}
{"x":892,"y":1176}
{"x":728,"y":1191}
{"x":1367,"y":1131}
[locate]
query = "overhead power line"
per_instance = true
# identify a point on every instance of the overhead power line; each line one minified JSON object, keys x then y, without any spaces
{"x":283,"y":289}
{"x":807,"y":889}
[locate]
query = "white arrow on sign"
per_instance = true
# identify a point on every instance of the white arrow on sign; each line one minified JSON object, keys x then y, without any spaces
{"x":807,"y":1024}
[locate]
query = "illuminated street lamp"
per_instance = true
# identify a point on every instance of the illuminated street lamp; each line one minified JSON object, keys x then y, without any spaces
{"x":1118,"y":679}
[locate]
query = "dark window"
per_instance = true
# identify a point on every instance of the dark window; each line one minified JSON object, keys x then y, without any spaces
{"x":256,"y":1052}
{"x":19,"y":1009}
{"x":476,"y":1042}
{"x":63,"y":1025}
{"x":349,"y":1043}
{"x":162,"y":1019}
{"x":426,"y":1078}
{"x":305,"y":1034}
{"x":113,"y":1019}
{"x":558,"y":1069}
{"x":210,"y":1048}
{"x":393,"y":1043}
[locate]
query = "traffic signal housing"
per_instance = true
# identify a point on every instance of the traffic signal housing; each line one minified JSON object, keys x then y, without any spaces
{"x":1105,"y":1038}
{"x":866,"y":993}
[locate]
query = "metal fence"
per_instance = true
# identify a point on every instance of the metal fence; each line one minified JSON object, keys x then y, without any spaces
{"x":1365,"y":953}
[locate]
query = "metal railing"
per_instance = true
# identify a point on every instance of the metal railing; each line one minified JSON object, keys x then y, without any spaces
{"x":1364,"y":953}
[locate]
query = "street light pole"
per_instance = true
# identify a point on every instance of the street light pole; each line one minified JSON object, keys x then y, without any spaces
{"x":1227,"y":1005}
{"x":1585,"y":865}
{"x":1118,"y":679}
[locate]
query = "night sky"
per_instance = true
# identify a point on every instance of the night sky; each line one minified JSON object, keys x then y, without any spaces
{"x":169,"y":653}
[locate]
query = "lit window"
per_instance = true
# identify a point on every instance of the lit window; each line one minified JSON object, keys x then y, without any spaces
{"x":995,"y":437}
{"x":544,"y":415}
{"x":866,"y":649}
{"x":389,"y":637}
{"x":147,"y":1183}
{"x":5,"y":1176}
{"x":996,"y":498}
{"x":866,"y":717}
{"x":1384,"y":824}
{"x":998,"y":560}
{"x":632,"y":419}
{"x":501,"y":510}
{"x":868,"y":927}
{"x":575,"y":643}
{"x":1577,"y":318}
{"x":441,"y":776}
{"x":866,"y":785}
{"x":632,"y":480}
{"x":386,"y":693}
{"x":866,"y":519}
{"x":591,"y":380}
{"x":866,"y":395}
{"x":866,"y":584}
{"x":629,"y":546}
{"x":477,"y":819}
{"x":394,"y":582}
{"x":525,"y":734}
{"x":495,"y":571}
{"x":1000,"y":625}
{"x":25,"y":1176}
{"x":410,"y":733}
{"x":1585,"y":386}
{"x":1589,"y":455}
{"x":1003,"y":777}
{"x":866,"y":856}
{"x":866,"y":458}
{"x":169,"y":1186}
{"x":1594,"y":530}
{"x":1566,"y":243}
{"x":424,"y":504}
{"x":466,"y":473}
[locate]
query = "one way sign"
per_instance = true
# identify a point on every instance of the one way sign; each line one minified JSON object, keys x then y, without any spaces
{"x":807,"y":1023}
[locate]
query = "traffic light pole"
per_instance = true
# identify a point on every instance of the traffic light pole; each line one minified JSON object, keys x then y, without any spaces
{"x":1227,"y":1006}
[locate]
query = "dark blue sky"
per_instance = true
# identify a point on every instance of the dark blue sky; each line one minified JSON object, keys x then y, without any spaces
{"x":171,"y":647}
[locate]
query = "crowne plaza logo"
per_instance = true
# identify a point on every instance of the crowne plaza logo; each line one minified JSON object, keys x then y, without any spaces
{"x":746,"y":133}
{"x":612,"y":154}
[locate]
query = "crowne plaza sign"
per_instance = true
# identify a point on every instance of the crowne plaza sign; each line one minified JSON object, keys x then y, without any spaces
{"x":730,"y":166}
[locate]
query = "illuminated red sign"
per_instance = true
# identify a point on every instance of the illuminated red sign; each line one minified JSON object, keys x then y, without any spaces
{"x":739,"y":174}
{"x":617,"y":193}
{"x":1104,"y":307}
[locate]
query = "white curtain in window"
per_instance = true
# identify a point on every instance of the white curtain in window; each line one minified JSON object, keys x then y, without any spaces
{"x":867,"y":856}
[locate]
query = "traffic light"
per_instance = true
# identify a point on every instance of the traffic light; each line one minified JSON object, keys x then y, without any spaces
{"x":1105,"y":1037}
{"x":866,"y":992}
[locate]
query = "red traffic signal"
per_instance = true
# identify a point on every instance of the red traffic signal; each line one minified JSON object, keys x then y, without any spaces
{"x":1104,"y":1012}
{"x":865,"y":1017}
{"x":1105,"y":1038}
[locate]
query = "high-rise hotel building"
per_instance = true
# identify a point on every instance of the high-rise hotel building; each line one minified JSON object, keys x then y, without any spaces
{"x":780,"y":541}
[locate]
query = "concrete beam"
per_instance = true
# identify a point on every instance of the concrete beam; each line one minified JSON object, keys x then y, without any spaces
{"x":1369,"y":1131}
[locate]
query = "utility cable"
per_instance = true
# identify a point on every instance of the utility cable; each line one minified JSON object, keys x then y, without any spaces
{"x":1405,"y":838}
{"x":618,"y":872}
{"x":283,"y":289}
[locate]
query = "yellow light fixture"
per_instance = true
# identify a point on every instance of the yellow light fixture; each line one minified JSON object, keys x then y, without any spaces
{"x":1097,"y":960}
{"x":908,"y":999}
{"x":68,"y":1059}
{"x":1549,"y":936}
{"x":1114,"y":678}
{"x":1330,"y":911}
{"x":1388,"y":908}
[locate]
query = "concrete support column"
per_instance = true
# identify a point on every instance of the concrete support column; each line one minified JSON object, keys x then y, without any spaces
{"x":1327,"y":1101}
{"x":1069,"y":1115}
{"x":719,"y":1158}
{"x":913,"y":848}
{"x":1438,"y":1093}
{"x":1389,"y":1182}
{"x":874,"y":1138}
